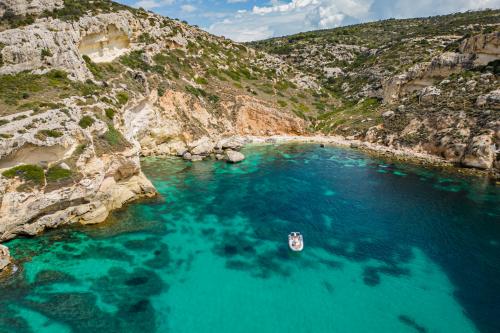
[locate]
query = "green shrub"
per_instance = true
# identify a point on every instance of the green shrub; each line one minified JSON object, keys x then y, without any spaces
{"x":1,"y":57}
{"x":201,"y":80}
{"x":282,"y":104}
{"x":43,"y":134}
{"x":135,"y":60}
{"x":213,"y":98}
{"x":86,"y":122}
{"x":46,"y":53}
{"x":114,"y":137}
{"x":57,"y":173}
{"x":110,"y":113}
{"x":146,"y":38}
{"x":196,"y":91}
{"x":93,"y":67}
{"x":30,"y":173}
{"x":122,"y":98}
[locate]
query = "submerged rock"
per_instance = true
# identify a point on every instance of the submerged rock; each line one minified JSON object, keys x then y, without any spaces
{"x":234,"y":156}
{"x":5,"y":258}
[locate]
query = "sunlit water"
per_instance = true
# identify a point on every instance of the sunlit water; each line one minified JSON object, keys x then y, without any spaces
{"x":388,"y":248}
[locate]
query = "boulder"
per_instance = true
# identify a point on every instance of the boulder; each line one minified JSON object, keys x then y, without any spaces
{"x":388,"y":114}
{"x":196,"y":158}
{"x":204,"y":146}
{"x":234,"y":156}
{"x":5,"y":258}
{"x":429,"y":94}
{"x":480,"y":153}
{"x":230,"y":143}
{"x":491,"y":99}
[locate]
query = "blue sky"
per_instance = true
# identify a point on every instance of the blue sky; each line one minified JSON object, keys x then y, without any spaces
{"x":246,"y":20}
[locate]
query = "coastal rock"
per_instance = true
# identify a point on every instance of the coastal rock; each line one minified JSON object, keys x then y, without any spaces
{"x":234,"y":156}
{"x":5,"y":258}
{"x":203,"y":146}
{"x":230,"y":143}
{"x":481,"y":152}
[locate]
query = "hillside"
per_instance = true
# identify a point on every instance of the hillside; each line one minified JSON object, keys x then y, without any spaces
{"x":428,"y":84}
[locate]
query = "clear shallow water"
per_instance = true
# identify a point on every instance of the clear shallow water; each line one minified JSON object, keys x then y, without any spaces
{"x":388,"y":249}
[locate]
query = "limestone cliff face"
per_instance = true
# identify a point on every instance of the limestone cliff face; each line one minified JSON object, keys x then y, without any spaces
{"x":99,"y":177}
{"x":475,"y":51}
{"x":55,"y":44}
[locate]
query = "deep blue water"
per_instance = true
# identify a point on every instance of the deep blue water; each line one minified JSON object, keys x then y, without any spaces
{"x":388,"y":248}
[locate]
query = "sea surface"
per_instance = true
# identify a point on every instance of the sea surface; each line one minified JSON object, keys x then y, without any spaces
{"x":388,"y":248}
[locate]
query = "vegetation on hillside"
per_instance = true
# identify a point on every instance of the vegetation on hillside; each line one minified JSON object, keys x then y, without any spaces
{"x":352,"y":62}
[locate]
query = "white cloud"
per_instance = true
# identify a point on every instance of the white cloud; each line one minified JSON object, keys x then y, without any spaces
{"x":283,"y":18}
{"x":150,"y":4}
{"x":188,"y":8}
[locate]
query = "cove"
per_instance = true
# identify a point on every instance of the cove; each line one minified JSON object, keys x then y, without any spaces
{"x":388,"y":248}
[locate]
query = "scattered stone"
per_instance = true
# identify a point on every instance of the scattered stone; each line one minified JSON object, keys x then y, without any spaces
{"x":204,"y":146}
{"x":64,"y":166}
{"x":429,"y":94}
{"x":234,"y":156}
{"x":388,"y":114}
{"x":5,"y":258}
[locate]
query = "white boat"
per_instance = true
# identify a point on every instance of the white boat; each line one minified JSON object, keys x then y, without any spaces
{"x":296,"y":241}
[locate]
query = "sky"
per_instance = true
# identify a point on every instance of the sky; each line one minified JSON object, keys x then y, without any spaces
{"x":248,"y":20}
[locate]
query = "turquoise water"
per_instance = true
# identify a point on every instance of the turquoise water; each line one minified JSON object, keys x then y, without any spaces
{"x":388,"y":248}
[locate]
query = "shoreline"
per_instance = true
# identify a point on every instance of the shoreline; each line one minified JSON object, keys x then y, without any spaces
{"x":401,"y":155}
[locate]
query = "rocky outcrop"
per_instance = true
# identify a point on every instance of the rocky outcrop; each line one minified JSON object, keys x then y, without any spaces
{"x":59,"y":44}
{"x":485,"y":47}
{"x":107,"y":183}
{"x":475,"y":51}
{"x":105,"y":45}
{"x":28,"y":7}
{"x":481,"y":153}
{"x":5,"y":259}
